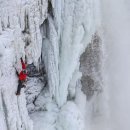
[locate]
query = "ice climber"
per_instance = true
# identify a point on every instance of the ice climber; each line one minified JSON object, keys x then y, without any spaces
{"x":22,"y":78}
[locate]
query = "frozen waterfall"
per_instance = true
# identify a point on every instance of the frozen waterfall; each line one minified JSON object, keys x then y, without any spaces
{"x":77,"y":53}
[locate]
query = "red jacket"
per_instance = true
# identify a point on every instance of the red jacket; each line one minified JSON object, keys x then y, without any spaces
{"x":22,"y":76}
{"x":23,"y":65}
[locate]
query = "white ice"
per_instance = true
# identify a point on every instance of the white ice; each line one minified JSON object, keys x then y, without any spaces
{"x":70,"y":31}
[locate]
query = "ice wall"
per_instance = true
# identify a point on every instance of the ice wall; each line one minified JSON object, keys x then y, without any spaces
{"x":24,"y":18}
{"x":19,"y":37}
{"x":77,"y":23}
{"x":65,"y":41}
{"x":53,"y":32}
{"x":13,"y":113}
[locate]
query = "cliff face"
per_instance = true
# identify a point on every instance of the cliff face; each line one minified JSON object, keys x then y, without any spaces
{"x":61,"y":42}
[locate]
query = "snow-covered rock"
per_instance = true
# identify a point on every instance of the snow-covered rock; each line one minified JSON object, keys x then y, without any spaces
{"x":34,"y":87}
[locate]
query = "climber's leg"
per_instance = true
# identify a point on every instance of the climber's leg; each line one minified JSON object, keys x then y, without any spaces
{"x":19,"y":88}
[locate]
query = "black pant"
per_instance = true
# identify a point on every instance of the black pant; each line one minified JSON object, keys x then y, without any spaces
{"x":20,"y":85}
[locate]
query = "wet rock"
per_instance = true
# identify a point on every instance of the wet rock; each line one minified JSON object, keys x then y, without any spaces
{"x":91,"y":67}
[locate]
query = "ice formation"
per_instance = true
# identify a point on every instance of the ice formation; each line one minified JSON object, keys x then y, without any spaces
{"x":53,"y":36}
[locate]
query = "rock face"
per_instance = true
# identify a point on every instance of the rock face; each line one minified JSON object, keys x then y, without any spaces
{"x":91,"y":67}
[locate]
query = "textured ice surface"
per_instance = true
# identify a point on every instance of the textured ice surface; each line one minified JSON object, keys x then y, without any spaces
{"x":13,"y":111}
{"x":54,"y":33}
{"x":70,"y":118}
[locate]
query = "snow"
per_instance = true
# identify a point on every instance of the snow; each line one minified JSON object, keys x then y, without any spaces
{"x":44,"y":120}
{"x":70,"y":118}
{"x":34,"y":86}
{"x":23,"y":19}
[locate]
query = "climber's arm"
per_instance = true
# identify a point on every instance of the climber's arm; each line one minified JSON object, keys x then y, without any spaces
{"x":17,"y":73}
